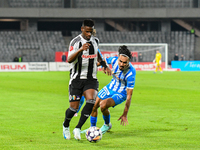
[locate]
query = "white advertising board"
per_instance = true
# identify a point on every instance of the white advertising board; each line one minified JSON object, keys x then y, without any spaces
{"x":18,"y":67}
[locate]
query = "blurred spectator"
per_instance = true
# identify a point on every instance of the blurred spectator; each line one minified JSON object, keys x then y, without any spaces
{"x":64,"y":58}
{"x":190,"y":58}
{"x":182,"y":58}
{"x":44,"y":59}
{"x":176,"y":58}
{"x":140,"y":57}
{"x":20,"y":58}
{"x":16,"y":59}
{"x":134,"y":58}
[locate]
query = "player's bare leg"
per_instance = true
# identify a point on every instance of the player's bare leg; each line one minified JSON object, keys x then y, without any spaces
{"x":95,"y":108}
{"x":104,"y":105}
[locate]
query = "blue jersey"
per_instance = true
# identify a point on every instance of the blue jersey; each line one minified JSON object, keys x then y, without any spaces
{"x":122,"y":79}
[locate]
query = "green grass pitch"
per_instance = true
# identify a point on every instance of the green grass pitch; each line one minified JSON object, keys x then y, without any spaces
{"x":164,"y":113}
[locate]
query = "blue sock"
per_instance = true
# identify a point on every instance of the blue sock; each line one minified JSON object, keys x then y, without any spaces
{"x":106,"y":119}
{"x":81,"y":103}
{"x":93,"y":121}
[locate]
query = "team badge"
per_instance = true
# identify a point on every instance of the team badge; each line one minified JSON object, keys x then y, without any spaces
{"x":71,"y":48}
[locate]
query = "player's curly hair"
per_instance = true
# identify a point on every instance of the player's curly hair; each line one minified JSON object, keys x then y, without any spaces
{"x":88,"y":22}
{"x":124,"y":50}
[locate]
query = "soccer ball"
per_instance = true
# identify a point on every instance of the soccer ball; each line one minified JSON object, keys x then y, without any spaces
{"x":93,"y":134}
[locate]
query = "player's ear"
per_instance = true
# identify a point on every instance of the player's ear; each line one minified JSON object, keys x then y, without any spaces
{"x":82,"y":29}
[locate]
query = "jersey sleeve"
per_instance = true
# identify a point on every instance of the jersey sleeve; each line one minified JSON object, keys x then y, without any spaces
{"x":73,"y":47}
{"x":131,"y":79}
{"x":96,"y":40}
{"x":110,"y":60}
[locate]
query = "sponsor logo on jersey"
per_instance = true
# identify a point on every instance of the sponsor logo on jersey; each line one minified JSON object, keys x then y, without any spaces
{"x":89,"y":56}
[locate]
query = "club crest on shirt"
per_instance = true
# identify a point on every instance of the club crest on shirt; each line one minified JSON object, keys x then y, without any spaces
{"x":71,"y":48}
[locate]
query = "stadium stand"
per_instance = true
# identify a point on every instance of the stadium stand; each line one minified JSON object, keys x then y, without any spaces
{"x":165,"y":3}
{"x":103,"y":3}
{"x":37,"y":46}
{"x":42,"y":45}
{"x":36,"y":3}
{"x":180,"y":42}
{"x":126,"y":4}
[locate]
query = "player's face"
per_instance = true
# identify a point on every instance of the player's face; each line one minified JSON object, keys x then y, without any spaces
{"x":87,"y":32}
{"x":123,"y":62}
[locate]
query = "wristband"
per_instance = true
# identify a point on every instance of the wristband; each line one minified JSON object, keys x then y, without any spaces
{"x":103,"y":64}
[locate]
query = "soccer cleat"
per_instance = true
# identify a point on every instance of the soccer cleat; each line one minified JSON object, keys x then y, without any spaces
{"x":77,"y":133}
{"x":66,"y":133}
{"x":105,"y":128}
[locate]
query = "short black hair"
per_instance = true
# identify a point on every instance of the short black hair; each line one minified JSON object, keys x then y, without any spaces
{"x":124,"y":50}
{"x":88,"y":22}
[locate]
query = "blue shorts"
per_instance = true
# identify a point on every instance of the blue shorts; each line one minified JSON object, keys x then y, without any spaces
{"x":107,"y":93}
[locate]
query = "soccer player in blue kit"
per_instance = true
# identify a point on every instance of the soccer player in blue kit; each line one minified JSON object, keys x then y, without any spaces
{"x":120,"y":89}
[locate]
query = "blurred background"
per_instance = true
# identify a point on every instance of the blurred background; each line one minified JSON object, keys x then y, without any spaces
{"x":37,"y":29}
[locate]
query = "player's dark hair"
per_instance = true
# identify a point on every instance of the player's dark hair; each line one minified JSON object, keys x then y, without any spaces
{"x":88,"y":22}
{"x":124,"y":50}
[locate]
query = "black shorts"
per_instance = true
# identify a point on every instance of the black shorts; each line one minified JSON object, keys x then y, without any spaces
{"x":78,"y":86}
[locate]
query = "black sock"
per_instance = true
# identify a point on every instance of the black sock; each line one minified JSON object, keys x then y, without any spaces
{"x":85,"y":113}
{"x":68,"y":116}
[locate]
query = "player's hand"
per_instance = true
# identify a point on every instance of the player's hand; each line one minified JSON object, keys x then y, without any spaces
{"x":85,"y":46}
{"x":124,"y":120}
{"x":107,"y":71}
{"x":160,"y":62}
{"x":154,"y":61}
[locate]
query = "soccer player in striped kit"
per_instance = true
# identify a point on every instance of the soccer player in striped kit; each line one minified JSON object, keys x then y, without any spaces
{"x":83,"y":56}
{"x":120,"y":89}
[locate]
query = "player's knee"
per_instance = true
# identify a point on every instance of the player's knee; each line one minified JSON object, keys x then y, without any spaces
{"x":74,"y":105}
{"x":95,"y":107}
{"x":103,"y":105}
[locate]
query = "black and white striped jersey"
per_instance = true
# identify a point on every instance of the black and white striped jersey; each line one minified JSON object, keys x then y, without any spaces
{"x":85,"y":65}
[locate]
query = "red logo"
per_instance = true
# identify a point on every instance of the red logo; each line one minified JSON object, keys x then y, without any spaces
{"x":89,"y":56}
{"x":13,"y":67}
{"x":71,"y":48}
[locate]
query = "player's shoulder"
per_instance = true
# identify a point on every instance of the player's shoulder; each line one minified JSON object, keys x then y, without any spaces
{"x":112,"y":60}
{"x":114,"y":57}
{"x":75,"y":40}
{"x":95,"y":39}
{"x":132,"y":69}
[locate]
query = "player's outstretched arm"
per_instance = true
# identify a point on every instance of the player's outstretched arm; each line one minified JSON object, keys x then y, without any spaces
{"x":123,"y":118}
{"x":107,"y":71}
{"x":105,"y":68}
